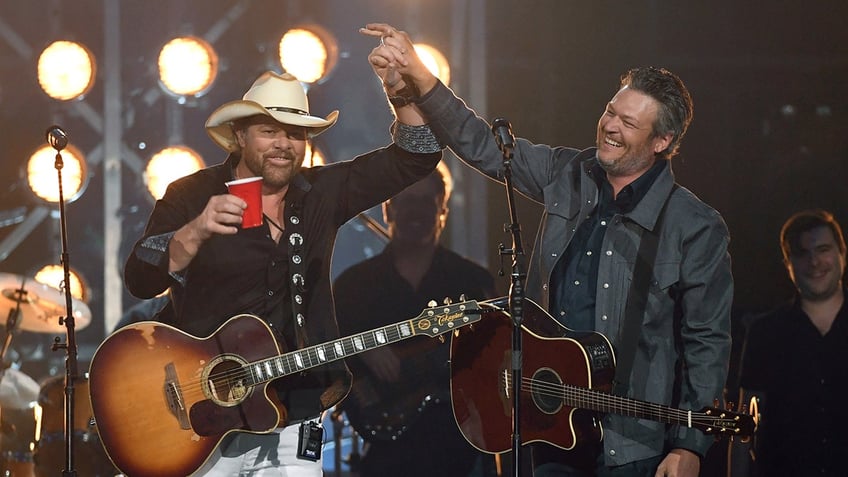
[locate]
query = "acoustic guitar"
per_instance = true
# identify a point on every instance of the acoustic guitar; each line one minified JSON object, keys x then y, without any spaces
{"x":163,"y":399}
{"x":566,"y":382}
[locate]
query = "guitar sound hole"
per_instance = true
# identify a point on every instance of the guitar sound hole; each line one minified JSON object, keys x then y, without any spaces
{"x":547,"y":391}
{"x":224,"y":381}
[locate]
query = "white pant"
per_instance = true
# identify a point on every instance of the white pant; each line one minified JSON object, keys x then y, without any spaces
{"x":260,"y":455}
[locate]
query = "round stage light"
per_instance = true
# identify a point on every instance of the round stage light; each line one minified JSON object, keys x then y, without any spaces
{"x":435,"y":61}
{"x":187,"y":66}
{"x":42,"y":177}
{"x":168,"y":165}
{"x":308,"y":53}
{"x":66,"y":70}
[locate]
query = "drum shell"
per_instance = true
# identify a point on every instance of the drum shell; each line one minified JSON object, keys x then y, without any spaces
{"x":89,"y":456}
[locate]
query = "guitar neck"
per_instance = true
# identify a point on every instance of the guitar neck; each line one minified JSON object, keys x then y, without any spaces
{"x":707,"y":421}
{"x":612,"y":404}
{"x":432,"y":322}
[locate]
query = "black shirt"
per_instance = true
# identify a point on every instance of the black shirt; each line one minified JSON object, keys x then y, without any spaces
{"x":373,"y":294}
{"x":804,"y":376}
{"x":249,"y":273}
{"x":575,"y":276}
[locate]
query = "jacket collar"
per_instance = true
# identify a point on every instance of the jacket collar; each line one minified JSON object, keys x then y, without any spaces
{"x":648,"y":209}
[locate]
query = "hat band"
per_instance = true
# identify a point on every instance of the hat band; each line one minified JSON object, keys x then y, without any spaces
{"x":284,"y":109}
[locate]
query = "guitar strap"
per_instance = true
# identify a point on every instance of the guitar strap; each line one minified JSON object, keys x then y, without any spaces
{"x":637,"y":299}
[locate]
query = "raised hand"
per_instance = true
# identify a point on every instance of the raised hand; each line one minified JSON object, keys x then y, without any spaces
{"x":395,"y":56}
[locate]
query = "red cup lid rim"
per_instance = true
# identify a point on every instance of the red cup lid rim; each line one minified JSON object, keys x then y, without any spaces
{"x":243,"y":181}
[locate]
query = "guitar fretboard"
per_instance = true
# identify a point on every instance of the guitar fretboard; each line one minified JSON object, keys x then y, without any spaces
{"x":432,"y":322}
{"x":593,"y":400}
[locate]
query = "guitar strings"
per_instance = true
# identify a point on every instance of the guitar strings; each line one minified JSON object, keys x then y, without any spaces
{"x":232,"y":377}
{"x":573,"y":396}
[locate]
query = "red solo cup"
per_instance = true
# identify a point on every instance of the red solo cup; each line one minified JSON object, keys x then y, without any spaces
{"x":250,"y":190}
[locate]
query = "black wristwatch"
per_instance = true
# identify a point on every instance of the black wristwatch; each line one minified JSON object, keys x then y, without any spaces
{"x":406,"y":95}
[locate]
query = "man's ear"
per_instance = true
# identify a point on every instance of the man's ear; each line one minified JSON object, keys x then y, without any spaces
{"x":239,"y":134}
{"x":662,"y":143}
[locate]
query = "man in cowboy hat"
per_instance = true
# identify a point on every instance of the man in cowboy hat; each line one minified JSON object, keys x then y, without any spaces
{"x":278,"y":271}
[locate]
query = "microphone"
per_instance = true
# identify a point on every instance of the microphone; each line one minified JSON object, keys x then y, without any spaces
{"x":503,"y":135}
{"x":56,"y":137}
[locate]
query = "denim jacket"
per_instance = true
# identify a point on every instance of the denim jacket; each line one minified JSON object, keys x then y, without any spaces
{"x":683,"y":352}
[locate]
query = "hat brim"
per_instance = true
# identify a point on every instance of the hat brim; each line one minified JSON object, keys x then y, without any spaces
{"x":219,"y":124}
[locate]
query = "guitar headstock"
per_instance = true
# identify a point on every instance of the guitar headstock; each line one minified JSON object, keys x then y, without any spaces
{"x":440,"y":319}
{"x":724,"y":423}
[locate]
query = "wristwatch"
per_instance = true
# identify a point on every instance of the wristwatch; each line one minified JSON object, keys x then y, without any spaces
{"x":406,"y":95}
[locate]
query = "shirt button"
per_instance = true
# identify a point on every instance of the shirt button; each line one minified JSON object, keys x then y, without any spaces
{"x":273,"y":263}
{"x":562,"y":313}
{"x":612,"y":452}
{"x":609,"y":253}
{"x":270,"y":292}
{"x":545,"y":286}
{"x":589,"y":252}
{"x":577,"y":282}
{"x":553,"y":255}
{"x":606,"y":285}
{"x":603,"y":222}
{"x":603,"y":317}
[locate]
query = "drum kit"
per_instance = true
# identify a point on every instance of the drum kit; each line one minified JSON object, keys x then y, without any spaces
{"x":32,"y":414}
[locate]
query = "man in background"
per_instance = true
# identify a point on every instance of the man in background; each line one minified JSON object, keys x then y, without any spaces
{"x":400,"y":400}
{"x":794,"y":361}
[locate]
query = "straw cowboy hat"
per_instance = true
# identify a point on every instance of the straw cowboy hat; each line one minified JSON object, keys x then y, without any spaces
{"x":281,"y":97}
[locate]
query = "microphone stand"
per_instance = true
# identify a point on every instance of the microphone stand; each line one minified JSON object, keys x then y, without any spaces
{"x":58,"y":140}
{"x":503,"y":136}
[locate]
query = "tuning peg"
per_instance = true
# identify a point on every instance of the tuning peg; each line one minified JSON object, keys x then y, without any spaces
{"x":462,"y":297}
{"x":432,"y":303}
{"x":447,"y":300}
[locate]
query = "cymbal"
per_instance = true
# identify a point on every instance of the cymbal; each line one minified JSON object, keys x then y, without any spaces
{"x":40,"y":305}
{"x":17,"y":390}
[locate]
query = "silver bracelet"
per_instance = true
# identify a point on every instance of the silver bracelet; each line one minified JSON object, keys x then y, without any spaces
{"x":415,"y":139}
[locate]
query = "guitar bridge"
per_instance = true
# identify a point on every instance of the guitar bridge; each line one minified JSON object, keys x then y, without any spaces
{"x":174,"y":397}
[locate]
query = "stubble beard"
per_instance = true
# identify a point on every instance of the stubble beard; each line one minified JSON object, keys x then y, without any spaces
{"x":273,"y":177}
{"x":634,"y":163}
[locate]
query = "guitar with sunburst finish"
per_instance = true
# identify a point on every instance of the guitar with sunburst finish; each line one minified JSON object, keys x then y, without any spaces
{"x":163,"y":399}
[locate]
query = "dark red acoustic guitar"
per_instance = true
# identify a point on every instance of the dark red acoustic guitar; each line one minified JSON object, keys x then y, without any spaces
{"x":164,"y":399}
{"x":566,"y":379}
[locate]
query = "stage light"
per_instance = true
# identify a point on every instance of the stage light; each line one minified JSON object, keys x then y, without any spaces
{"x":435,"y":61}
{"x":308,"y":53}
{"x":168,"y":165}
{"x":187,"y":66}
{"x":54,"y":275}
{"x":313,"y":156}
{"x":66,"y":70}
{"x":42,"y":177}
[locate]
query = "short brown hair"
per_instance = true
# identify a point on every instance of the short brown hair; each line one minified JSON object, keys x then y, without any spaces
{"x":676,"y":107}
{"x":804,"y":221}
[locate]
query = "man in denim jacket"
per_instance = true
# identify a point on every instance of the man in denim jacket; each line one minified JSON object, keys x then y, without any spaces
{"x":599,"y":204}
